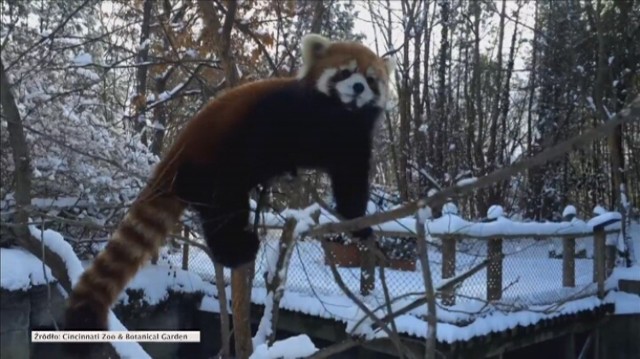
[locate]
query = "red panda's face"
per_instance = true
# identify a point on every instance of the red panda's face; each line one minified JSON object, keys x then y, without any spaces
{"x":348,"y":71}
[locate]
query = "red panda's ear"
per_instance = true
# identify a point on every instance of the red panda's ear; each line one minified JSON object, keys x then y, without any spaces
{"x":313,"y":47}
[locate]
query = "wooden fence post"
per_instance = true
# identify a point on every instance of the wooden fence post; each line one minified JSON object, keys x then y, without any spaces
{"x":600,"y":265}
{"x":448,"y":267}
{"x":568,"y":262}
{"x":494,"y":269}
{"x":241,"y":285}
{"x":185,"y":250}
{"x":569,"y":250}
{"x":611,"y":254}
{"x":367,"y":266}
{"x":599,"y":241}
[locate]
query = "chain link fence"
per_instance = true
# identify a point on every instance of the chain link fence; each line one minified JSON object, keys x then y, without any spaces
{"x":531,"y":272}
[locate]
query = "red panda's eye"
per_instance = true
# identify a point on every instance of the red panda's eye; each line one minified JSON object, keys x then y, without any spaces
{"x":373,"y":84}
{"x":345,"y":73}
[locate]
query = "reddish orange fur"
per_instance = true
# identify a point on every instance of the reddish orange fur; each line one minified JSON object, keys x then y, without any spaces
{"x":154,"y":214}
{"x":157,"y":209}
{"x":338,"y":54}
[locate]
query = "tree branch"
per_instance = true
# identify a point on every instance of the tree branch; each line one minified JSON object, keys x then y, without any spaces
{"x":629,"y":114}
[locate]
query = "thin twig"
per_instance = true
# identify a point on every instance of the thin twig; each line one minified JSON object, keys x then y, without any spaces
{"x":350,"y":295}
{"x":276,"y":284}
{"x":387,"y":300}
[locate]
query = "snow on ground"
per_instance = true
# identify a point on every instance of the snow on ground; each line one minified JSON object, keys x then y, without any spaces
{"x":340,"y":308}
{"x":631,"y":273}
{"x":626,"y":303}
{"x":532,"y":285}
{"x":530,"y":277}
{"x":210,"y":304}
{"x":21,"y":270}
{"x":157,"y":280}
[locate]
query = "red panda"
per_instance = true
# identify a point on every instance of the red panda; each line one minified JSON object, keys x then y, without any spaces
{"x":323,"y":119}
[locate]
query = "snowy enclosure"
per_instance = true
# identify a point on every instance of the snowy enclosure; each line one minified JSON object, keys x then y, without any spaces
{"x":532,"y":274}
{"x":533,"y":289}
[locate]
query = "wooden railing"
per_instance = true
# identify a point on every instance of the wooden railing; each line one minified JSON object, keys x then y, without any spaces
{"x":451,"y":228}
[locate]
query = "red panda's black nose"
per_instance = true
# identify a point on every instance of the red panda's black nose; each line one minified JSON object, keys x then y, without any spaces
{"x":358,"y":88}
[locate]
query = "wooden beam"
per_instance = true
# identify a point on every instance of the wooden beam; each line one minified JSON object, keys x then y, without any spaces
{"x":241,"y":304}
{"x":599,"y":244}
{"x":494,"y":270}
{"x":412,"y":234}
{"x":448,"y":268}
{"x":569,"y":262}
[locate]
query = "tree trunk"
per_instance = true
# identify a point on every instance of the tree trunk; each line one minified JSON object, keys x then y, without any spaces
{"x":22,"y":180}
{"x":140,"y":102}
{"x":21,"y":157}
{"x":492,"y":152}
{"x":441,"y":101}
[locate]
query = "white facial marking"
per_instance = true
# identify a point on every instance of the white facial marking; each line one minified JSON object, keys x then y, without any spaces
{"x":345,"y":89}
{"x":371,"y":72}
{"x":351,"y":66}
{"x":323,"y":81}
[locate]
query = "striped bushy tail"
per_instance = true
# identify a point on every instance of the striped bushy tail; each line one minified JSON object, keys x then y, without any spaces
{"x":137,"y":238}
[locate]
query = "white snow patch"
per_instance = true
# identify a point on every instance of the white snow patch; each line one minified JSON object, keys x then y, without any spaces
{"x":264,"y":328}
{"x":156,"y":281}
{"x":83,"y":59}
{"x":495,"y":212}
{"x":453,"y":224}
{"x":626,"y":303}
{"x":299,"y":346}
{"x":144,"y":44}
{"x":466,"y":181}
{"x":497,"y":321}
{"x":56,"y":243}
{"x":592,"y":104}
{"x":125,"y":349}
{"x":88,"y":74}
{"x":598,"y":210}
{"x":631,"y":273}
{"x":424,"y":214}
{"x":450,"y":208}
{"x":303,"y":217}
{"x":20,"y":270}
{"x":569,"y":210}
{"x":210,"y":304}
{"x":341,"y":309}
{"x":613,"y":217}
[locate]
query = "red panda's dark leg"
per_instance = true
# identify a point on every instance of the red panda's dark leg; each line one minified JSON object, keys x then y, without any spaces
{"x":351,"y":192}
{"x":226,"y":228}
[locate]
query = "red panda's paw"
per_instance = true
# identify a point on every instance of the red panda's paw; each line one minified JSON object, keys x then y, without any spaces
{"x":362,"y":234}
{"x":83,"y":317}
{"x":236,"y":250}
